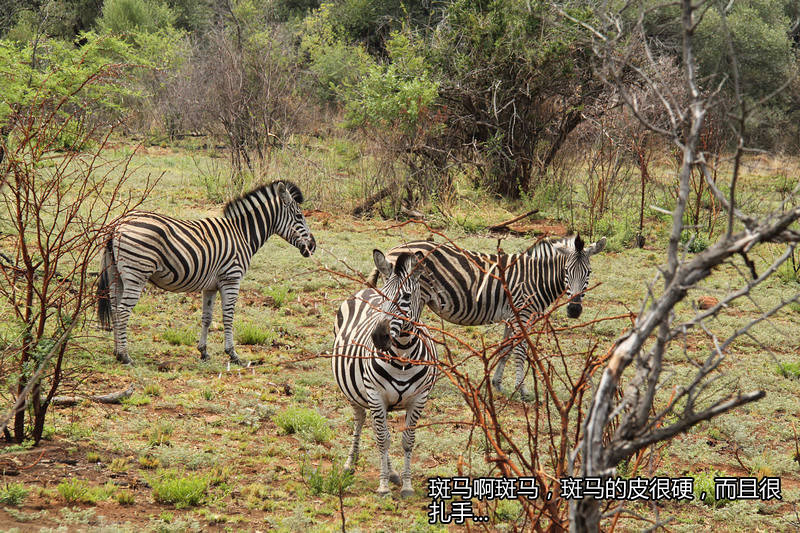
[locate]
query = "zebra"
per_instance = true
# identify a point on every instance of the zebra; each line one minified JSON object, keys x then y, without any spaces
{"x":383,"y":359}
{"x":207,"y":255}
{"x":463,"y":287}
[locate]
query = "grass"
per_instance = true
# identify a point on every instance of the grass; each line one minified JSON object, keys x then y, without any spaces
{"x":788,"y":370}
{"x":248,"y":333}
{"x":264,"y":423}
{"x":304,"y":422}
{"x":333,"y":481}
{"x":13,"y":494}
{"x":74,"y":490}
{"x":180,"y":337}
{"x":187,"y":491}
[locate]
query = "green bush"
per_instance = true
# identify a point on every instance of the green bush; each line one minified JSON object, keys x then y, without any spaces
{"x":179,"y":337}
{"x":704,"y":488}
{"x":75,"y":490}
{"x":13,"y":494}
{"x":305,"y":422}
{"x":179,"y":491}
{"x":279,"y":294}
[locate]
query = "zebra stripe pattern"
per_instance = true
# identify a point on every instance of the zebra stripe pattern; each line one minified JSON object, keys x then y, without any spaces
{"x":464,"y":287}
{"x":207,"y":255}
{"x":384,"y":360}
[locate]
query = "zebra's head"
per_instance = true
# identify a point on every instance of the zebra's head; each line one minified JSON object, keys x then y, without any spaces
{"x":401,"y":289}
{"x":291,"y":222}
{"x":577,"y":270}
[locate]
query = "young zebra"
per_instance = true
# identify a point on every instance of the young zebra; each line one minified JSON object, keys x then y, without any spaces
{"x":208,"y":255}
{"x":383,"y":360}
{"x":463,"y":287}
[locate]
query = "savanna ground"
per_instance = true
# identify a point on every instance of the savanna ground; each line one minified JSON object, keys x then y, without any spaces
{"x":201,"y":446}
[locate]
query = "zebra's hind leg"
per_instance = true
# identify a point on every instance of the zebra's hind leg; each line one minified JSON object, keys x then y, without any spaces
{"x":521,"y":360}
{"x":412,"y":415}
{"x":497,"y":378}
{"x":358,"y":423}
{"x":128,"y":292}
{"x":382,"y":438}
{"x":229,"y":294}
{"x":208,"y":308}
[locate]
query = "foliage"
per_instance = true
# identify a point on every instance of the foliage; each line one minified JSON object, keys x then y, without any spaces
{"x":305,"y":422}
{"x":75,"y":490}
{"x":334,"y":481}
{"x":13,"y":494}
{"x":250,"y":333}
{"x":788,"y":370}
{"x":188,"y":491}
{"x":704,"y":488}
{"x":179,"y":336}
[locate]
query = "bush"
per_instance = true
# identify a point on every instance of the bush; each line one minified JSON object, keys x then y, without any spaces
{"x":180,"y":491}
{"x":75,"y":490}
{"x":305,"y":422}
{"x":179,"y":337}
{"x":333,"y":482}
{"x":704,"y":488}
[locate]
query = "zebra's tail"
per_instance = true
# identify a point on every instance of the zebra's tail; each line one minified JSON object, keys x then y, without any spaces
{"x":104,"y":287}
{"x":372,"y":279}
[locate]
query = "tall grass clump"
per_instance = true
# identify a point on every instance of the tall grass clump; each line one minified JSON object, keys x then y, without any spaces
{"x":181,"y":492}
{"x":305,"y":422}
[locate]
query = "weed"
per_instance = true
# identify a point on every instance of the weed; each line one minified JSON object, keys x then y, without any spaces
{"x":149,"y":462}
{"x":788,"y":370}
{"x":118,"y":465}
{"x":249,"y":333}
{"x":180,"y":491}
{"x":305,"y":422}
{"x":75,"y":490}
{"x":179,"y":337}
{"x":136,"y":399}
{"x":13,"y":494}
{"x":160,"y":434}
{"x":258,"y":496}
{"x":152,"y":389}
{"x":333,"y":482}
{"x":125,"y":497}
{"x":279,"y":294}
{"x":207,"y":394}
{"x":695,"y":243}
{"x":93,"y":457}
{"x":75,"y":431}
{"x":77,"y":515}
{"x":704,"y":488}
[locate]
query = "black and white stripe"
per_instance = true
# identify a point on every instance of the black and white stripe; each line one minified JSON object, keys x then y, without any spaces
{"x":465,"y":287}
{"x":383,"y":360}
{"x":207,"y":255}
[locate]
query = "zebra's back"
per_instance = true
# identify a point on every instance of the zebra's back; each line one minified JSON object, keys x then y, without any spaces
{"x":180,"y":255}
{"x":359,"y":369}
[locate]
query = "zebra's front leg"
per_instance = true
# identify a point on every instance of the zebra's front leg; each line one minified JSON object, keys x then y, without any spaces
{"x":521,"y":360}
{"x":229,"y":293}
{"x":205,"y":322}
{"x":412,"y":415}
{"x":358,"y":423}
{"x":497,"y":378}
{"x":382,"y":439}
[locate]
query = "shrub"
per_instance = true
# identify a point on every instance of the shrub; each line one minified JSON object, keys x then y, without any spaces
{"x":160,"y":434}
{"x":704,"y":488}
{"x":179,"y":491}
{"x":305,"y":422}
{"x":75,"y":490}
{"x":333,"y":482}
{"x":279,"y":295}
{"x":13,"y":494}
{"x":125,"y":497}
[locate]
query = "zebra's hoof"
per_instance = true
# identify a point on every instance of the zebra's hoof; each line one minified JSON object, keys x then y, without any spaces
{"x":237,"y":361}
{"x":124,"y":359}
{"x":394,"y":478}
{"x":383,"y":493}
{"x":407,"y":493}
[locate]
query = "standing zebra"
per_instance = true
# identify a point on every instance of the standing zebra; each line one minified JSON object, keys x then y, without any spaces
{"x":384,"y":360}
{"x":206,"y":255}
{"x":463,"y":287}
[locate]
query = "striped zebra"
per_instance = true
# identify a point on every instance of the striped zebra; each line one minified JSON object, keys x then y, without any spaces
{"x":208,"y":255}
{"x":463,"y":287}
{"x":384,"y":360}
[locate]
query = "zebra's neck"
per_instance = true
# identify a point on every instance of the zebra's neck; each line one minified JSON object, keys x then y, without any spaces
{"x":407,"y":343}
{"x":549,"y":264}
{"x":254,"y":216}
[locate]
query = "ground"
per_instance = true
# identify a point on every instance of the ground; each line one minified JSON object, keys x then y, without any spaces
{"x":231,"y":429}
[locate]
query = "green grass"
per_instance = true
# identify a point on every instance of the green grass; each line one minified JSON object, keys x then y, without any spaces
{"x":304,"y":422}
{"x":249,"y":333}
{"x":187,"y":491}
{"x":278,"y":295}
{"x":74,"y":490}
{"x":704,"y":488}
{"x":13,"y":494}
{"x":180,"y":337}
{"x":332,"y":481}
{"x":788,"y":370}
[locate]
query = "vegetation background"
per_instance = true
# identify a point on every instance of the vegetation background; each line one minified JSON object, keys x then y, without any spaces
{"x":462,"y":114}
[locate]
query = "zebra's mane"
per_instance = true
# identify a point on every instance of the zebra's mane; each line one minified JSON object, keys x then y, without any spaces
{"x":293,"y":189}
{"x":568,"y":242}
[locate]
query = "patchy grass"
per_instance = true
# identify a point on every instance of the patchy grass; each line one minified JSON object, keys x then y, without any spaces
{"x":249,"y":333}
{"x":13,"y":494}
{"x":180,"y":336}
{"x":187,"y":491}
{"x":305,"y":422}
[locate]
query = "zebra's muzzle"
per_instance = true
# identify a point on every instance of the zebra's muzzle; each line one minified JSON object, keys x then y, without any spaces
{"x":574,"y":310}
{"x":381,"y":337}
{"x":308,"y":248}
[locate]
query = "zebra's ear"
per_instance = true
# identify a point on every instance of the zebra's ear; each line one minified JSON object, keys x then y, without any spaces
{"x":383,"y":266}
{"x":419,"y":265}
{"x":283,"y":193}
{"x":596,"y":247}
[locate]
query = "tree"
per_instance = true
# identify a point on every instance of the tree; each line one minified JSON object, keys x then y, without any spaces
{"x":614,"y":430}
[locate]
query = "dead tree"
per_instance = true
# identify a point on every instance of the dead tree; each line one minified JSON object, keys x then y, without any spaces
{"x":618,"y":426}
